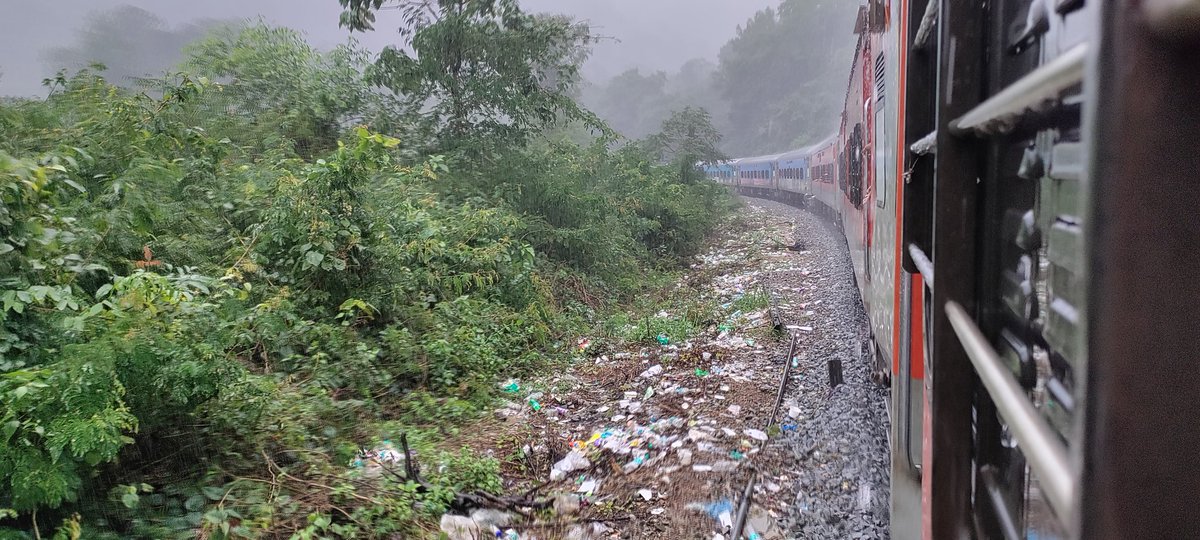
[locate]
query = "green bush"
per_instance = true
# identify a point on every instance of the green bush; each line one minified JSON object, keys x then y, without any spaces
{"x":193,"y":304}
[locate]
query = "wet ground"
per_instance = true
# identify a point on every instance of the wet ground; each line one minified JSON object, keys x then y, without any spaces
{"x":649,"y":438}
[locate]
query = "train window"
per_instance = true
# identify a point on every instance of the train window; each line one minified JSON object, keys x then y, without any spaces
{"x":882,"y":156}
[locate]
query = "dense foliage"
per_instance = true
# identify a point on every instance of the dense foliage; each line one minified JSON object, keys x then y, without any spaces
{"x":785,"y":75}
{"x":486,"y":70}
{"x":214,"y":291}
{"x":687,"y":138}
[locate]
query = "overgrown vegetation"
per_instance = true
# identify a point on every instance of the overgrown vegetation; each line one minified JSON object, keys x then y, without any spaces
{"x":214,"y":291}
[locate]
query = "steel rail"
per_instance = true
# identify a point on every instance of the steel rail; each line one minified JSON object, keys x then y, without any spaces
{"x":744,"y":507}
{"x":748,"y":493}
{"x":1047,"y":456}
{"x":787,"y":371}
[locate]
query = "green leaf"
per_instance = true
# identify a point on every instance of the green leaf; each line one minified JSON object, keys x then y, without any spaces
{"x":214,"y":493}
{"x":194,"y":503}
{"x":314,"y":258}
{"x":75,"y":185}
{"x":130,"y":500}
{"x":5,"y":248}
{"x":10,"y":427}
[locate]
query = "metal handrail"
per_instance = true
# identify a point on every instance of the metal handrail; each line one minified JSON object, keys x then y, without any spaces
{"x":1000,"y":112}
{"x":1047,"y":456}
{"x":924,"y":265}
{"x":925,"y":30}
{"x":925,"y":145}
{"x":1004,"y":517}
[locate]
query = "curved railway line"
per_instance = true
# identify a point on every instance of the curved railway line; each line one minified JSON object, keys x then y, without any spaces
{"x":1039,"y":158}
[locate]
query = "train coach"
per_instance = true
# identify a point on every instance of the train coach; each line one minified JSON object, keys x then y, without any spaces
{"x":1039,"y":157}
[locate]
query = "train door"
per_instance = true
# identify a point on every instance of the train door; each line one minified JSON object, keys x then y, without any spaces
{"x":1062,"y":333}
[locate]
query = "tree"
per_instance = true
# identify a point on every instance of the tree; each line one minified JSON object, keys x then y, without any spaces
{"x":486,"y":70}
{"x":632,"y":103}
{"x":784,"y":75}
{"x":687,"y":138}
{"x":274,"y":85}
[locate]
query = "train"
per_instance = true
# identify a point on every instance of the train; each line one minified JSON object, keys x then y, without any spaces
{"x":1040,"y":158}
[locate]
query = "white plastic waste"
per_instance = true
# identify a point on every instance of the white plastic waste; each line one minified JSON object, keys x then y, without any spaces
{"x":724,"y":466}
{"x":573,"y":461}
{"x":653,"y":371}
{"x":487,"y":518}
{"x":756,"y":434}
{"x":459,"y":527}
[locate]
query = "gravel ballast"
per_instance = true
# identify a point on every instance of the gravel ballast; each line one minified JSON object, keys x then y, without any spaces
{"x":648,"y":437}
{"x":840,"y":447}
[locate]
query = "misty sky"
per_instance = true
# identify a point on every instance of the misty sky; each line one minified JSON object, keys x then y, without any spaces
{"x":652,"y":34}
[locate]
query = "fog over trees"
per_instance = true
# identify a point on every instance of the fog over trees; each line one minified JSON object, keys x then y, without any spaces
{"x":658,"y":35}
{"x":760,"y":68}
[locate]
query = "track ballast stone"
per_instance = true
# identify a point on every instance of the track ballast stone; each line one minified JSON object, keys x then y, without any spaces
{"x":671,"y":430}
{"x":840,"y":445}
